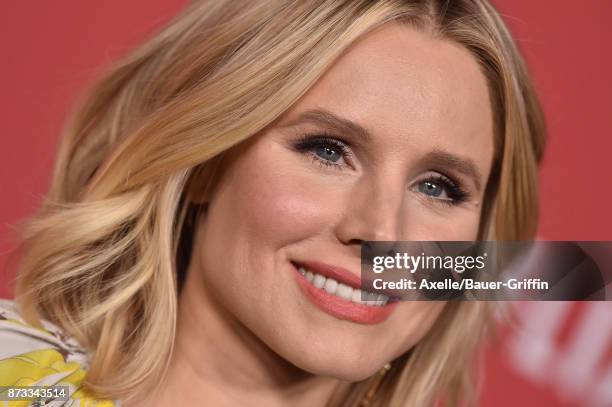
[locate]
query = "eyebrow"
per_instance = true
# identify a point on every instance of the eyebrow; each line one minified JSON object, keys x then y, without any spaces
{"x":445,"y":159}
{"x":333,"y":122}
{"x":436,"y":157}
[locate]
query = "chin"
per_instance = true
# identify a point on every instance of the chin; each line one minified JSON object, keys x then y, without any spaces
{"x":353,"y":370}
{"x":341,"y":362}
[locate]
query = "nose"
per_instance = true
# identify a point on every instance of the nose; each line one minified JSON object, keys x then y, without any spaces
{"x":373,"y":211}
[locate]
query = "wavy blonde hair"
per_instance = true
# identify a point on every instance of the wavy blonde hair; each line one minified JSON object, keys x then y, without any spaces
{"x":103,"y":260}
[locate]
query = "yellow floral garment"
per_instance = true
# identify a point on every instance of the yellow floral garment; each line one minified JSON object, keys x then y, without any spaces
{"x":31,"y":356}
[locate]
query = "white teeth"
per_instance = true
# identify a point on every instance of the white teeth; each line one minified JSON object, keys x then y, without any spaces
{"x":330,"y":285}
{"x":343,"y":291}
{"x":318,"y":280}
{"x":356,"y":296}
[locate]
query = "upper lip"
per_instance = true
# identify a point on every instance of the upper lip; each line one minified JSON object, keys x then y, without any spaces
{"x":338,"y":273}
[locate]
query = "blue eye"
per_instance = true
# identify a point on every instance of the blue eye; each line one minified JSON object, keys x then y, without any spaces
{"x":431,"y":188}
{"x":328,"y":153}
{"x":326,"y":150}
{"x":442,"y":189}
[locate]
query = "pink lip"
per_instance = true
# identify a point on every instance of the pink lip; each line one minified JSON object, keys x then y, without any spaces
{"x":334,"y":305}
{"x":339,"y":274}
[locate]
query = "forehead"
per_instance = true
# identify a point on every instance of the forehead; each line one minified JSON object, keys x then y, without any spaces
{"x":414,"y":91}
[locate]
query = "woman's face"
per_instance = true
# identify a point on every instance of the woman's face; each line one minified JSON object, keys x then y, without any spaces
{"x":394,"y":142}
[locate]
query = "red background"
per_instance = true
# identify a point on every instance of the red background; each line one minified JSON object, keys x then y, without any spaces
{"x":51,"y":51}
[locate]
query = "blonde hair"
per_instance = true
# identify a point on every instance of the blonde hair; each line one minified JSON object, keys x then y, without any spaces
{"x":100,"y":257}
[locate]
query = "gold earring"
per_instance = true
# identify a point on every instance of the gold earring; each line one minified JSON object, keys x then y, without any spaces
{"x":367,"y":399}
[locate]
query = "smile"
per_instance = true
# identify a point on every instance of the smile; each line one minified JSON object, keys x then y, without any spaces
{"x":344,"y":291}
{"x":336,"y":291}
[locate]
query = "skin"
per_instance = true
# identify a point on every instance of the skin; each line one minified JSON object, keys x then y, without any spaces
{"x":247,"y":335}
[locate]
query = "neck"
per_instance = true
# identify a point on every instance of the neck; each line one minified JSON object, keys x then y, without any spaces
{"x":218,"y":361}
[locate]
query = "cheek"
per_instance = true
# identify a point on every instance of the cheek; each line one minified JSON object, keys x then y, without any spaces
{"x":427,"y":223}
{"x":276,"y":196}
{"x":264,"y":202}
{"x":464,"y":227}
{"x":281,"y":209}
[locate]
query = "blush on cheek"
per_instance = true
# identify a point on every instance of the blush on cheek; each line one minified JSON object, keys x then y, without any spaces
{"x":425,"y":223}
{"x":276,"y":197}
{"x":462,"y":229}
{"x":282,"y":207}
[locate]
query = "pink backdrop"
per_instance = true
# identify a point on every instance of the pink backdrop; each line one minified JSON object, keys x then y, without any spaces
{"x":558,"y":355}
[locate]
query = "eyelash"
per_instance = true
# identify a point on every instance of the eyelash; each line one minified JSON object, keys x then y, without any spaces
{"x":456,"y":194}
{"x":308,"y":142}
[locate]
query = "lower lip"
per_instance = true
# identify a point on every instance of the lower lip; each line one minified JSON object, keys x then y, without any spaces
{"x":341,"y":308}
